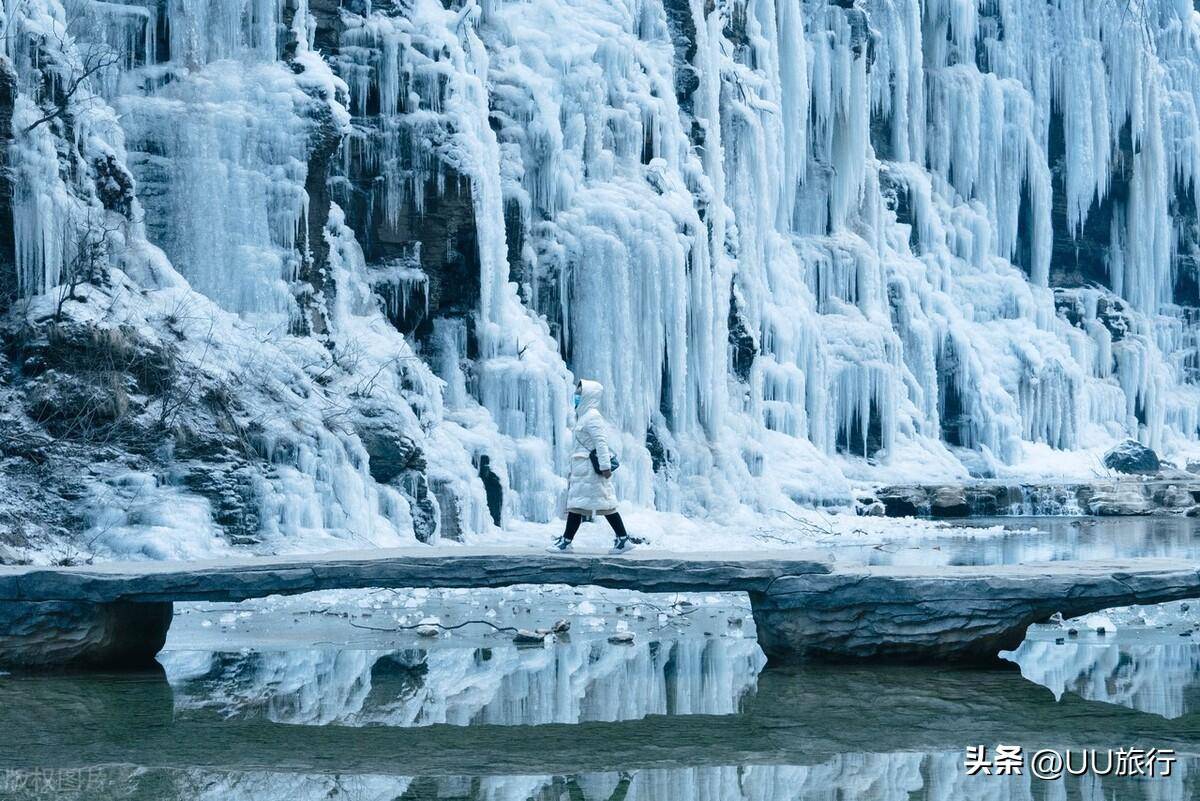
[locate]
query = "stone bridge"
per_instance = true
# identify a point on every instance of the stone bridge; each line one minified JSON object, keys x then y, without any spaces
{"x":806,"y":605}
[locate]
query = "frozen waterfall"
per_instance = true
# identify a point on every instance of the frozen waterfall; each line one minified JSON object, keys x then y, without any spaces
{"x":805,"y":243}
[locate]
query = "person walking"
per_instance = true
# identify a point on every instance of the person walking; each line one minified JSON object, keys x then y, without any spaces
{"x":589,"y":484}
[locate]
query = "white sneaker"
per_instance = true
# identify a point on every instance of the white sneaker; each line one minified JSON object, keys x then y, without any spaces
{"x":622,"y":545}
{"x":561,"y":545}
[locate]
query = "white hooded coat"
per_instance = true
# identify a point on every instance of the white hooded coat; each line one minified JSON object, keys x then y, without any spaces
{"x":588,"y":492}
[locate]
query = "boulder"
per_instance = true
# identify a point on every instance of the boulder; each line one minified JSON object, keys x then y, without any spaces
{"x":528,"y":637}
{"x":391,"y":452}
{"x":1133,"y":458}
{"x":873,"y":509}
{"x":1174,"y":497}
{"x":902,"y":501}
{"x":1117,"y":500}
{"x":867,"y":506}
{"x":949,"y":502}
{"x":30,"y":445}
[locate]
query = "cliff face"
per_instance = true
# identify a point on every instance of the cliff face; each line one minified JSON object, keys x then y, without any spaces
{"x":285,"y":275}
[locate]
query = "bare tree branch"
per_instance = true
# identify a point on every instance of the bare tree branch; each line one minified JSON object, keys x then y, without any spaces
{"x":93,"y":62}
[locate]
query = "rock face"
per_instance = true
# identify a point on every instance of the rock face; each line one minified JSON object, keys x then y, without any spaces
{"x":1133,"y":458}
{"x":394,"y":458}
{"x":983,"y":499}
{"x":8,"y":99}
{"x":64,"y":634}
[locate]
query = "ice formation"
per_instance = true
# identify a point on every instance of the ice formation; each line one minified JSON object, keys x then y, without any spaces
{"x":806,"y":243}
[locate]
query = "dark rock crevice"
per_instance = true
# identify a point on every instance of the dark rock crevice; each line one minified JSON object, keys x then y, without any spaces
{"x":1082,"y":258}
{"x":8,"y":261}
{"x":742,"y":342}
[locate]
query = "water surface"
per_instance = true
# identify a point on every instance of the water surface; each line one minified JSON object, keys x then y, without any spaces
{"x":335,"y":696}
{"x":1012,"y":540}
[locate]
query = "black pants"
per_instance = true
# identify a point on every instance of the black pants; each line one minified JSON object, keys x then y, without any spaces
{"x":574,"y":520}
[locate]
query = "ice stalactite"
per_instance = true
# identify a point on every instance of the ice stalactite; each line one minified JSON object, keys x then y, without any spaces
{"x":803,"y":243}
{"x":217,"y":158}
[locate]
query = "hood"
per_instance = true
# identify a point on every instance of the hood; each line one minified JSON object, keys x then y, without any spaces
{"x":590,"y":393}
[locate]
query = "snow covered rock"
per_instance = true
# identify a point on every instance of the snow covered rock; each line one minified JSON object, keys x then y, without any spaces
{"x":903,"y":501}
{"x":1173,"y":497}
{"x":1119,"y":499}
{"x":1132,"y":457}
{"x":390,"y":449}
{"x":869,"y":506}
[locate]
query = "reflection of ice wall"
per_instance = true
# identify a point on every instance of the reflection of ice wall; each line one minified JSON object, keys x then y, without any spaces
{"x":1154,"y":677}
{"x":260,"y":786}
{"x":794,"y":238}
{"x":570,"y":683}
{"x":867,"y":776}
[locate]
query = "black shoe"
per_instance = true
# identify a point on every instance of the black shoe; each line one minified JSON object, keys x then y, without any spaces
{"x":622,"y":545}
{"x":561,"y":545}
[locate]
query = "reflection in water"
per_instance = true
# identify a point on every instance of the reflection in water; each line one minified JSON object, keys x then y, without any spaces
{"x":848,"y":777}
{"x":812,"y":734}
{"x":1156,"y":677}
{"x":569,"y":683}
{"x":1043,"y":539}
{"x":687,"y":713}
